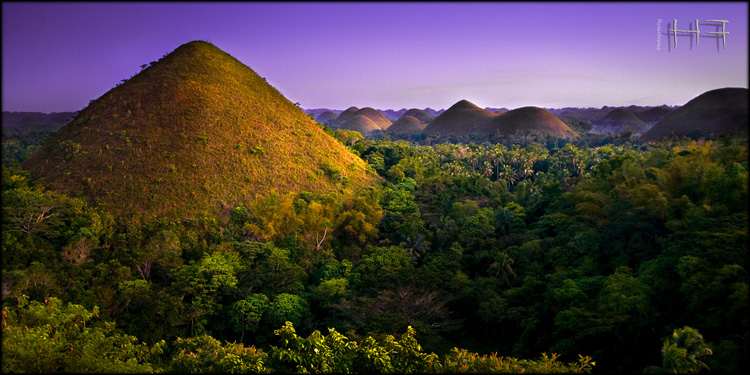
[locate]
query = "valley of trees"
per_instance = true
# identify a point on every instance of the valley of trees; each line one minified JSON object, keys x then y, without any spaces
{"x":532,"y":255}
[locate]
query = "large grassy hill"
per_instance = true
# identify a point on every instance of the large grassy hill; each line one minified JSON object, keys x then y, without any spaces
{"x":195,"y":131}
{"x":460,"y":119}
{"x":407,"y":124}
{"x":528,"y":120}
{"x":714,"y":112}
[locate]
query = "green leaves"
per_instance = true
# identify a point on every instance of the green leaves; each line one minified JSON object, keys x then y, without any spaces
{"x":57,"y":337}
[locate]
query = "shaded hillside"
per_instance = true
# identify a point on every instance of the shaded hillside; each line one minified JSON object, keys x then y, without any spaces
{"x":26,"y":122}
{"x":528,"y":120}
{"x":378,"y":118}
{"x":712,"y":113}
{"x":407,"y":124}
{"x":619,"y":120}
{"x":419,"y":115}
{"x":653,"y":115}
{"x":327,"y":117}
{"x":499,"y":111}
{"x":196,"y":131}
{"x":362,"y":124}
{"x":460,"y":119}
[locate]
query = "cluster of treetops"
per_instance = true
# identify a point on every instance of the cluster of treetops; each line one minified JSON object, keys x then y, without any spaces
{"x":601,"y":254}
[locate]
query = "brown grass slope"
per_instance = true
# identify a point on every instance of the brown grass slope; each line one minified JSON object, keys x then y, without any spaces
{"x":461,"y":118}
{"x":714,"y":112}
{"x":407,"y":124}
{"x":373,"y":114}
{"x":528,"y":120}
{"x":419,"y":115}
{"x":196,"y":131}
{"x":361,"y":124}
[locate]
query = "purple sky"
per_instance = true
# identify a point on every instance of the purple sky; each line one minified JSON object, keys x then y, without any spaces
{"x":58,"y":56}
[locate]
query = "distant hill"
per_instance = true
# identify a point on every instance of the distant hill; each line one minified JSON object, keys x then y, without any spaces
{"x":362,"y":124}
{"x":712,"y":113}
{"x":432,"y":112}
{"x":654,"y":114}
{"x":619,"y":120}
{"x":26,"y":122}
{"x":373,"y":114}
{"x":169,"y":141}
{"x":419,"y":114}
{"x":528,"y":120}
{"x":391,"y":114}
{"x":346,"y":115}
{"x":326,"y":117}
{"x":499,"y":111}
{"x":460,"y":119}
{"x":407,"y":124}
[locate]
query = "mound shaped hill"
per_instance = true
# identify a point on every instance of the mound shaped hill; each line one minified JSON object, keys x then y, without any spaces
{"x":326,"y":117}
{"x":362,"y":124}
{"x":378,"y":118}
{"x":715,"y":112}
{"x":619,"y":120}
{"x":196,"y":131}
{"x":419,"y":115}
{"x":653,"y":115}
{"x":346,"y":115}
{"x":461,"y":118}
{"x":528,"y":120}
{"x":407,"y":124}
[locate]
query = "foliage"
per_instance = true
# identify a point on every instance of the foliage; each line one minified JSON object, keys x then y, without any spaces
{"x":57,"y":337}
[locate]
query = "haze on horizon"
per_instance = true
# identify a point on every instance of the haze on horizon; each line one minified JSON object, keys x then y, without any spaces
{"x":58,"y":56}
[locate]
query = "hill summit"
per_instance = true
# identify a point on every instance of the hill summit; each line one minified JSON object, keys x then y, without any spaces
{"x":196,"y":131}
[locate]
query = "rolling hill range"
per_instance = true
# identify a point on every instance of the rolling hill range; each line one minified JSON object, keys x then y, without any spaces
{"x":460,"y":119}
{"x":26,"y":122}
{"x":527,"y":120}
{"x":714,"y":112}
{"x":407,"y":124}
{"x":196,"y":131}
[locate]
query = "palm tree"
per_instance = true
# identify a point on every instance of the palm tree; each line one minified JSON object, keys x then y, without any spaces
{"x":502,"y":266}
{"x":681,"y":351}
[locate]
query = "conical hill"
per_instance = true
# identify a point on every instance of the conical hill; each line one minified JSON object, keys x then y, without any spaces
{"x":622,"y":119}
{"x":327,"y":117}
{"x":407,"y":124}
{"x":419,"y":115}
{"x":528,"y":120}
{"x":196,"y":131}
{"x":373,"y":114}
{"x":460,"y":119}
{"x":714,"y":112}
{"x":362,"y":124}
{"x":346,"y":115}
